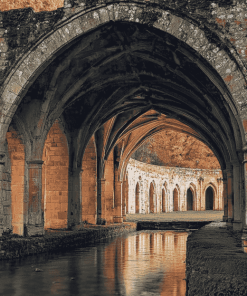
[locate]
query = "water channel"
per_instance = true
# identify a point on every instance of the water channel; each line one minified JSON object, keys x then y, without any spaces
{"x":144,"y":263}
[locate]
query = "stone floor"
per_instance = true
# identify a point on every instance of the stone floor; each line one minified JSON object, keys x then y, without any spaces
{"x":178,"y":216}
{"x":216,"y":262}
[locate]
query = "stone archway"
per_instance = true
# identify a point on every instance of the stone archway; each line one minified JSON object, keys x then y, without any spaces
{"x":173,"y":49}
{"x":190,"y":204}
{"x":209,"y":198}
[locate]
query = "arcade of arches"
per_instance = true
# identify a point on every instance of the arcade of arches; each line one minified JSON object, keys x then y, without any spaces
{"x":168,"y":189}
{"x":83,"y":87}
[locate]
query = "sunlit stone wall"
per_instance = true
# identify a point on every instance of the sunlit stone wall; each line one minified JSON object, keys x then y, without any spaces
{"x":165,"y":180}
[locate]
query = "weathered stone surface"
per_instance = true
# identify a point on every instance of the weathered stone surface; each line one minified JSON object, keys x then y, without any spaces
{"x":174,"y":149}
{"x":215,"y":262}
{"x":16,"y":247}
{"x":165,"y":180}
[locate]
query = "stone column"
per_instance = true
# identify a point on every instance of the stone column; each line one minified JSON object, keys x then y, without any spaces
{"x":124,"y":200}
{"x":2,"y":164}
{"x":230,"y":195}
{"x":200,"y":194}
{"x":74,"y":200}
{"x":35,"y":223}
{"x":101,"y":201}
{"x":225,"y":196}
{"x":245,"y":189}
{"x":237,"y":223}
{"x":118,"y":218}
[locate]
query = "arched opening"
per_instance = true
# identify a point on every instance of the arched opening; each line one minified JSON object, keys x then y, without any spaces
{"x":151,"y":198}
{"x":89,"y":184}
{"x":137,"y":199}
{"x":175,"y":200}
{"x":163,"y":200}
{"x":190,"y":206}
{"x":87,"y":103}
{"x":55,"y":178}
{"x":209,"y":198}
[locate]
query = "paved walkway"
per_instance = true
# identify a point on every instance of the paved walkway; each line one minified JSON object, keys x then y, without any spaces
{"x":178,"y":216}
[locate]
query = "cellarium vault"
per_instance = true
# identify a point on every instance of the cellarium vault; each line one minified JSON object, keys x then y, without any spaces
{"x":85,"y":85}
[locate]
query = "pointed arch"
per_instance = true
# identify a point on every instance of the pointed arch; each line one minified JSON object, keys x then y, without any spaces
{"x":210,"y":194}
{"x":190,"y":203}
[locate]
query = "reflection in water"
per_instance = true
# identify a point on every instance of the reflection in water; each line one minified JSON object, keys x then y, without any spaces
{"x":244,"y":243}
{"x":143,"y":263}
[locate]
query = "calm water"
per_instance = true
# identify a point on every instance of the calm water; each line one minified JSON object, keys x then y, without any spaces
{"x":145,"y":263}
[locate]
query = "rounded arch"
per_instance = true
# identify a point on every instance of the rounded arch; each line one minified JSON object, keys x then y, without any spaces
{"x":176,"y":195}
{"x":51,"y":45}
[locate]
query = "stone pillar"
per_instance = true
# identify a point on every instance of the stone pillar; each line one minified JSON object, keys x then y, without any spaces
{"x":124,"y":200}
{"x":225,"y":196}
{"x":74,"y":200}
{"x":230,"y":196}
{"x":101,"y":201}
{"x":237,"y":223}
{"x":200,"y":194}
{"x":118,"y":218}
{"x":2,"y":164}
{"x":245,"y":189}
{"x":35,"y":225}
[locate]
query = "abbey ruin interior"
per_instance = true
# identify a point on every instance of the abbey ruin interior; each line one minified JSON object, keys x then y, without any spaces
{"x":114,"y":108}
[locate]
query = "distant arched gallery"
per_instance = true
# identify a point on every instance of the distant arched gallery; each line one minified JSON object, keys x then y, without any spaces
{"x":173,"y":189}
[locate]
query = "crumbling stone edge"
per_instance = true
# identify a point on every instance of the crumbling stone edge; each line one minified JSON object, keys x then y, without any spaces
{"x":12,"y":247}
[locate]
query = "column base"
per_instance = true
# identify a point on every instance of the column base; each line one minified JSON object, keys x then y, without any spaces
{"x":118,"y":219}
{"x":237,"y":225}
{"x":225,"y":218}
{"x":101,"y":221}
{"x":124,"y":218}
{"x":31,"y":230}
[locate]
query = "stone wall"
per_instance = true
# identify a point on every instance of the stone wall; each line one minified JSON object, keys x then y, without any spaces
{"x":166,"y":179}
{"x":172,"y":148}
{"x":5,"y":197}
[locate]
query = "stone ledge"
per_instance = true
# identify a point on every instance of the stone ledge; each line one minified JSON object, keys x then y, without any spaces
{"x":12,"y":247}
{"x":216,"y":263}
